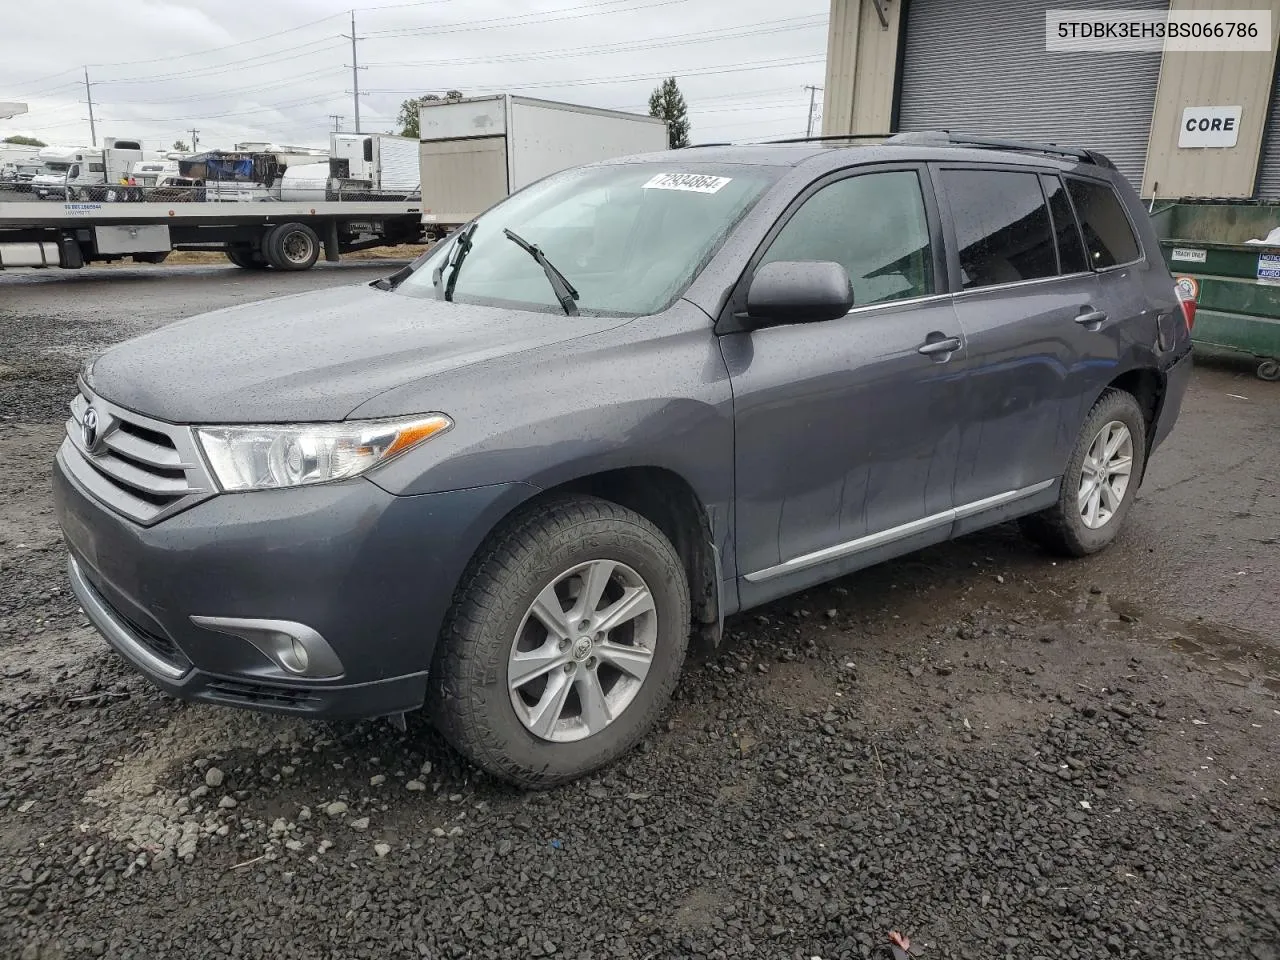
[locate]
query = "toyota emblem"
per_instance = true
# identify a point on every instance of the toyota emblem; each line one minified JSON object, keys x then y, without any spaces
{"x":89,"y":428}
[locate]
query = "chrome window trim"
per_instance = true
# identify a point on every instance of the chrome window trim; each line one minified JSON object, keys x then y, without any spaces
{"x":971,"y":291}
{"x":906,"y":301}
{"x":901,"y":532}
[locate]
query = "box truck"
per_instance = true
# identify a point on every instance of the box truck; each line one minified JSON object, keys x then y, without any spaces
{"x":477,"y":150}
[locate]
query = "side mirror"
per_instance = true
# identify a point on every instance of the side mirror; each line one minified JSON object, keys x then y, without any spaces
{"x":798,"y":291}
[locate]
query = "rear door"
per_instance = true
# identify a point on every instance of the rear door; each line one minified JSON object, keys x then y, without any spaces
{"x":1029,"y":305}
{"x":846,"y":433}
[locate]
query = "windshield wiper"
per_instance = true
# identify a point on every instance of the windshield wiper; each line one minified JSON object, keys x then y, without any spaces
{"x":462,"y":246}
{"x":563,"y":288}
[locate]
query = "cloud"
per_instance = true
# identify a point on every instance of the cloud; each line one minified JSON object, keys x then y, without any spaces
{"x":278,"y":70}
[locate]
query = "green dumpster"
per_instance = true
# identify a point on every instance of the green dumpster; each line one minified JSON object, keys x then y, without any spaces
{"x":1237,"y":284}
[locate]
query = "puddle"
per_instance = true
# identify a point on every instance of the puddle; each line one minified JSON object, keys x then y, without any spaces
{"x":1234,"y":656}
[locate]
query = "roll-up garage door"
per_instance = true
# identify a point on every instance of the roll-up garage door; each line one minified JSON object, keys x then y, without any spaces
{"x":1268,"y":186}
{"x":980,"y":66}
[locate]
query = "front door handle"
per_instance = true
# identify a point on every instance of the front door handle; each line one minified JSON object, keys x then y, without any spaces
{"x":1091,"y":319}
{"x":942,"y":348}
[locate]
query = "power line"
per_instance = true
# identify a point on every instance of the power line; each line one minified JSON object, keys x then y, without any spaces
{"x":230,"y":92}
{"x":523,"y":19}
{"x":627,"y":46}
{"x":742,"y":67}
{"x":236,"y":66}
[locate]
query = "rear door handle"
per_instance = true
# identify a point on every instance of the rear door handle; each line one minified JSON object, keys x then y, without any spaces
{"x":947,"y":346}
{"x":1092,"y":319}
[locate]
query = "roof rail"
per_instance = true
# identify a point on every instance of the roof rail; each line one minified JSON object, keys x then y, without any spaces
{"x":829,"y":138}
{"x":994,"y":143}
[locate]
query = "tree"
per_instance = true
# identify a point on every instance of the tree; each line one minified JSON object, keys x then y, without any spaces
{"x":180,"y":146}
{"x":667,"y":103}
{"x":21,"y":141}
{"x":407,"y":118}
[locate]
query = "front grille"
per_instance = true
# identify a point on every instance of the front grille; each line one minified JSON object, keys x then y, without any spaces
{"x":262,"y":694}
{"x":145,"y":469}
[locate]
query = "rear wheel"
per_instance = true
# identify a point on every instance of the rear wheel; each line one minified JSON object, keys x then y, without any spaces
{"x":292,"y":246}
{"x":1101,"y":481}
{"x":246,"y":258}
{"x":564,"y":642}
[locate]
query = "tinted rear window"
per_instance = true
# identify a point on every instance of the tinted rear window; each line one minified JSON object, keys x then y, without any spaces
{"x":1108,"y":236}
{"x":1003,"y":231}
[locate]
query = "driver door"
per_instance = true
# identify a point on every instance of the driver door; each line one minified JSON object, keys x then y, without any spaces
{"x":847,"y":435}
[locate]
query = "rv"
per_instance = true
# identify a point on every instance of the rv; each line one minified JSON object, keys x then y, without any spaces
{"x":85,"y":173}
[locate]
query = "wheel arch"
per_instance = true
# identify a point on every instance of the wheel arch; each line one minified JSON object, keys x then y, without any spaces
{"x":1147,"y":385}
{"x":670,"y":503}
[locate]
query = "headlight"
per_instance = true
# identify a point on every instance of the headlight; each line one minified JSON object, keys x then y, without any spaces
{"x":291,"y":455}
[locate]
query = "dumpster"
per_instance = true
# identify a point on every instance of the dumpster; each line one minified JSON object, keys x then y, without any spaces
{"x":1236,"y":283}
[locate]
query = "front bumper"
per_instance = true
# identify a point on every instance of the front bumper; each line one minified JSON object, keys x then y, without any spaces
{"x":372,"y":573}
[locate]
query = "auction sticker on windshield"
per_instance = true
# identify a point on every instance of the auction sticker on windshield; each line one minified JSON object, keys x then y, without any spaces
{"x":691,"y":182}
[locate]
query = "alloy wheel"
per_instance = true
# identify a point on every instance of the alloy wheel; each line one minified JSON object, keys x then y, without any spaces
{"x":582,"y":651}
{"x":1105,"y":474}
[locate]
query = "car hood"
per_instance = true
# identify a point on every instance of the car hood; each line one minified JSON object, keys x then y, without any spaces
{"x":313,"y":356}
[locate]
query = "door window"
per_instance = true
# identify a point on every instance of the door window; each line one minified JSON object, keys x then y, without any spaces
{"x":1108,"y":235}
{"x":874,"y":225}
{"x":1003,"y":231}
{"x":74,"y":172}
{"x":1071,"y":256}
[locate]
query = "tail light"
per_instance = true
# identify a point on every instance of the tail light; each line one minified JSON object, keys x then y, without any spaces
{"x":1186,"y":291}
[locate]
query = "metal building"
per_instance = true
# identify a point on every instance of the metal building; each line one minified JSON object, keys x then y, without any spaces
{"x":980,"y":66}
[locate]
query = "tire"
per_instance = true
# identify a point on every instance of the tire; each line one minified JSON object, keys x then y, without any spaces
{"x":1269,"y":370}
{"x":292,"y":246}
{"x":1064,"y":528}
{"x":492,"y":620}
{"x":246,"y":258}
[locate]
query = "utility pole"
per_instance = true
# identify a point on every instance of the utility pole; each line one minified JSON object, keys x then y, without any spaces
{"x":195,"y":139}
{"x":808,"y":132}
{"x":355,"y":70}
{"x":337,"y":119}
{"x":88,"y":96}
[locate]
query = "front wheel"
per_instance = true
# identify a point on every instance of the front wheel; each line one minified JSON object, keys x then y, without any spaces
{"x":1101,"y":481}
{"x":564,"y":643}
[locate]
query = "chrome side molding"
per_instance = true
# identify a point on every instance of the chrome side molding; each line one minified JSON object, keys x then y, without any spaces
{"x":901,"y":532}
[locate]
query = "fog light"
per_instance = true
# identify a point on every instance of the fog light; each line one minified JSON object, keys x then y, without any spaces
{"x":294,"y":656}
{"x":294,"y":648}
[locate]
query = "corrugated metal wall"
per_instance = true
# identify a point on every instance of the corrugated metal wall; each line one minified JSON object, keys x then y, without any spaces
{"x":980,"y":66}
{"x":1268,"y":187}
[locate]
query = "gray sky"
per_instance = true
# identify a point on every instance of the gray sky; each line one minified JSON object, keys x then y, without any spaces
{"x":274,"y":69}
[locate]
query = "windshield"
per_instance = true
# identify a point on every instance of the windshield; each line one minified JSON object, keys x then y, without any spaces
{"x":628,"y":237}
{"x":57,"y":167}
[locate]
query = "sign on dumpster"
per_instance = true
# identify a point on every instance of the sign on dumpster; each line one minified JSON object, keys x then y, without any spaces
{"x":1269,"y":268}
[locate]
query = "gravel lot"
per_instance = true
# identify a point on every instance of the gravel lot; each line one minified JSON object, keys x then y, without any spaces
{"x":1000,"y":755}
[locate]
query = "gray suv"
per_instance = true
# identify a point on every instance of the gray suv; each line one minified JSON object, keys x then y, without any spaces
{"x":511,"y":480}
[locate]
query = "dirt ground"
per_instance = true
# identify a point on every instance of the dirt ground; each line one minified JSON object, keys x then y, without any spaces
{"x":1000,"y":754}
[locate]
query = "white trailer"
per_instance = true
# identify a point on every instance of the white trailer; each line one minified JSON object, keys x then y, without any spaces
{"x":377,"y":164}
{"x":285,"y":235}
{"x":477,"y":150}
